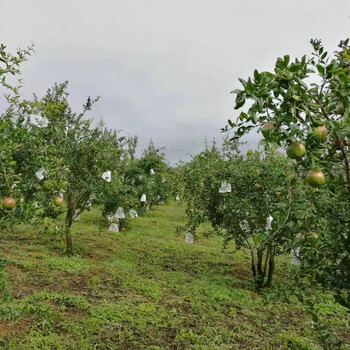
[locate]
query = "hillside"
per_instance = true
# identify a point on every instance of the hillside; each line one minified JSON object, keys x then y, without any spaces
{"x":145,"y":288}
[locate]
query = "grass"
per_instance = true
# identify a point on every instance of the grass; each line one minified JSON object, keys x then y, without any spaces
{"x":145,"y":288}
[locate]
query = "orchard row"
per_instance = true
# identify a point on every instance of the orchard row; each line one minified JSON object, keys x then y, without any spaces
{"x":55,"y":163}
{"x":303,"y":107}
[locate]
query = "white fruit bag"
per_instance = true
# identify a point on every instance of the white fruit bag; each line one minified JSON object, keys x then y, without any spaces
{"x":76,"y":217}
{"x":143,"y":198}
{"x":107,"y":176}
{"x":114,"y":228}
{"x":225,"y":188}
{"x":88,"y":205}
{"x":189,"y":238}
{"x":38,"y":120}
{"x":112,"y":218}
{"x":268,"y":223}
{"x":244,"y":225}
{"x":294,"y":257}
{"x":222,"y":188}
{"x":133,"y":213}
{"x":40,"y":174}
{"x":120,"y":213}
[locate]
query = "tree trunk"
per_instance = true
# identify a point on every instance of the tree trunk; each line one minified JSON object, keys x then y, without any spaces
{"x":260,"y":279}
{"x":271,"y":268}
{"x":267,"y":257}
{"x":69,"y":222}
{"x":253,"y":263}
{"x":69,"y":242}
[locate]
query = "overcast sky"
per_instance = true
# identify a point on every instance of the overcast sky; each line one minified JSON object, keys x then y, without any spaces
{"x":164,"y":68}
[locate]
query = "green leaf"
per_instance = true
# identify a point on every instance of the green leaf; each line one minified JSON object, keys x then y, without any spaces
{"x":243,"y":116}
{"x":320,"y":69}
{"x":256,"y":75}
{"x":243,"y":82}
{"x":286,"y":59}
{"x":240,"y":101}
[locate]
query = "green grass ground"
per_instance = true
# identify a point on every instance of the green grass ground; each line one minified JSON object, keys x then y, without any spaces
{"x":145,"y":288}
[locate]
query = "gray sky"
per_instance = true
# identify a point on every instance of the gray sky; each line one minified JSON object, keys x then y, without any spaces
{"x":164,"y":68}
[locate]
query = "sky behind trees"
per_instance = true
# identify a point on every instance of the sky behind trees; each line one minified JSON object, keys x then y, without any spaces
{"x":164,"y":68}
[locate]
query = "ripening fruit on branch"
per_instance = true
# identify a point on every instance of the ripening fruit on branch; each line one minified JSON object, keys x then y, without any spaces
{"x":58,"y":201}
{"x":296,"y":150}
{"x":48,"y":185}
{"x":308,"y":238}
{"x":315,"y":178}
{"x":313,"y":236}
{"x":300,"y":236}
{"x":267,"y":128}
{"x":277,"y":194}
{"x":321,"y":133}
{"x":339,"y":109}
{"x":257,"y":186}
{"x":8,"y":203}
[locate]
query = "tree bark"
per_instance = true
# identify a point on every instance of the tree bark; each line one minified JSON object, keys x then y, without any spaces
{"x":260,"y":280}
{"x":253,"y":263}
{"x":271,"y":268}
{"x":69,"y":222}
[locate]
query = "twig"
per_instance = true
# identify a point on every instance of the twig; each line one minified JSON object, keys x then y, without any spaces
{"x":284,"y":222}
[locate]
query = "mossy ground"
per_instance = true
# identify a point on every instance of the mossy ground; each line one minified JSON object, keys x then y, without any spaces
{"x":145,"y":288}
